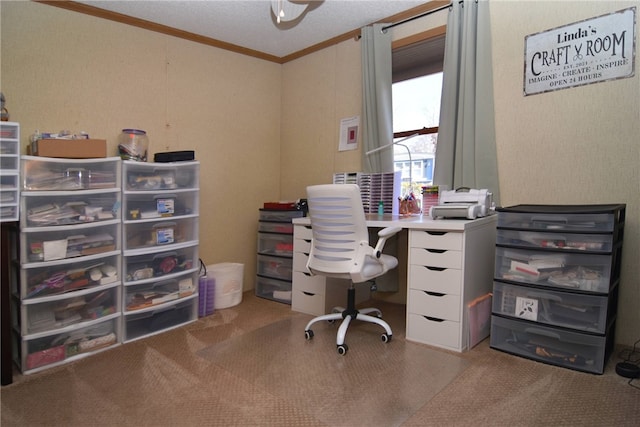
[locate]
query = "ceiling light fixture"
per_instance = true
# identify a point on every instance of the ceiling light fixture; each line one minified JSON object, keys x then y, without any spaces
{"x":288,"y":10}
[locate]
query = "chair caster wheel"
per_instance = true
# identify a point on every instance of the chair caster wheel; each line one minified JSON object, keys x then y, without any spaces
{"x":386,"y":338}
{"x":342,"y":349}
{"x":308,"y":334}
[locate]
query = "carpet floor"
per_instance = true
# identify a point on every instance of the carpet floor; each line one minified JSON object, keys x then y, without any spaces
{"x":249,"y":365}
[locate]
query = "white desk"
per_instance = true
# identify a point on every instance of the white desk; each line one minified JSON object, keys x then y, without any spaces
{"x":449,"y":264}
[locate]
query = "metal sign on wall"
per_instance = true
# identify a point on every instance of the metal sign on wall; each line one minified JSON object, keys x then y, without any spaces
{"x":585,"y":52}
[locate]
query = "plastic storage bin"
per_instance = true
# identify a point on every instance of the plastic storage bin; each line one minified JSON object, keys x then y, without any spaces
{"x":228,"y":283}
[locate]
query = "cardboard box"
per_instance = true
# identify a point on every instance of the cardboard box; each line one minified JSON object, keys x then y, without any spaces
{"x":70,"y":148}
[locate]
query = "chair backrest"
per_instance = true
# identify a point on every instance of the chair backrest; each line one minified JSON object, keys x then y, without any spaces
{"x":339,"y":228}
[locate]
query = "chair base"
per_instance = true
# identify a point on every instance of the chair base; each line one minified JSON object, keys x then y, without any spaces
{"x":347,"y":315}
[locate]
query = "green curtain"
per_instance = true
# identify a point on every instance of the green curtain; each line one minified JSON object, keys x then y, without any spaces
{"x":466,"y":150}
{"x":377,"y":113}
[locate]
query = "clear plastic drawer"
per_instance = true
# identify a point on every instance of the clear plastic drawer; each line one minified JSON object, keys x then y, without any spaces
{"x":70,"y":312}
{"x":559,"y":347}
{"x":161,"y":233}
{"x":148,"y":322}
{"x":275,"y":267}
{"x":146,"y":206}
{"x":60,"y":347}
{"x":571,"y":218}
{"x":150,"y":267}
{"x":49,"y":174}
{"x":72,"y":209}
{"x":56,"y":278}
{"x":275,"y":244}
{"x":571,"y":241}
{"x":143,"y":176}
{"x":275,"y":289}
{"x":69,"y":243}
{"x":147,"y":295}
{"x":275,"y":227}
{"x":571,"y":271}
{"x":279,"y":215}
{"x":556,"y":308}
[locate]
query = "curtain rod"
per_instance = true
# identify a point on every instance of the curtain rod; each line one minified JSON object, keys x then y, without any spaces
{"x":446,"y":6}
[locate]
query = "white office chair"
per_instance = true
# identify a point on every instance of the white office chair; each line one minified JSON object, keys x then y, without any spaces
{"x":340,"y":249}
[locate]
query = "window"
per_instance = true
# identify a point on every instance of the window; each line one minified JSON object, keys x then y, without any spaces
{"x":416,"y":91}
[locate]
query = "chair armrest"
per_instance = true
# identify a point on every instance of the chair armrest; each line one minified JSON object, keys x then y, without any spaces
{"x":383,"y":235}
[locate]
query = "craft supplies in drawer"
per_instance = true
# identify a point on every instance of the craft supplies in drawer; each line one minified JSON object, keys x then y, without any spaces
{"x":55,"y":279}
{"x":143,"y":176}
{"x":576,"y":271}
{"x":146,"y":206}
{"x":69,"y":311}
{"x":150,"y":267}
{"x":584,"y":312}
{"x":275,"y":267}
{"x":71,"y":209}
{"x":560,"y":347}
{"x":151,"y":321}
{"x":55,"y":348}
{"x":569,"y":241}
{"x":48,"y":174}
{"x":150,"y":234}
{"x":150,"y":294}
{"x":275,"y":244}
{"x":70,"y":243}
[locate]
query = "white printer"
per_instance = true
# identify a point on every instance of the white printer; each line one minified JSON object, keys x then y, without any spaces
{"x":462,"y":203}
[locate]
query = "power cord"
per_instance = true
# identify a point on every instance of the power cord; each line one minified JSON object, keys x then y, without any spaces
{"x":629,"y":368}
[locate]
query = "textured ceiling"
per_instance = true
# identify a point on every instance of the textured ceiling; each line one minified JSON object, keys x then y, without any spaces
{"x":251,"y":24}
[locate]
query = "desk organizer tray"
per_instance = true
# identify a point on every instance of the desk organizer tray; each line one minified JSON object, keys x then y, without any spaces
{"x":574,"y":350}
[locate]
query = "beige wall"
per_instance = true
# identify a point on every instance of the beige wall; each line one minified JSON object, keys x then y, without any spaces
{"x":264,"y":131}
{"x":65,"y":70}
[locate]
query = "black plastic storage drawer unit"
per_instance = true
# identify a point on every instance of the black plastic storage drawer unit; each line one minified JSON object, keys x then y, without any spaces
{"x":556,"y":280}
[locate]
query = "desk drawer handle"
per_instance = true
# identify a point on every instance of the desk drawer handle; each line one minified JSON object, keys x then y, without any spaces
{"x":436,"y":233}
{"x":308,"y":293}
{"x":306,"y":274}
{"x":433,"y":319}
{"x":434,"y":294}
{"x":435,"y":268}
{"x":436,"y":251}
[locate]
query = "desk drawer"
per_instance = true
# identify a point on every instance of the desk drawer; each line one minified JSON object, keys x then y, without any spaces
{"x":436,"y":257}
{"x":435,"y":279}
{"x":436,"y":240}
{"x":302,"y":232}
{"x":309,"y":303}
{"x":302,"y":245}
{"x":306,"y":283}
{"x":441,"y":306}
{"x":300,"y":262}
{"x":441,"y":333}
